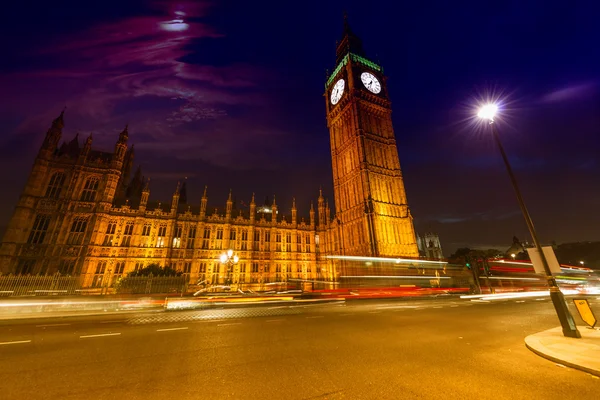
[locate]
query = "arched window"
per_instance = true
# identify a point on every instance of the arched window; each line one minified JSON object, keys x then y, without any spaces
{"x":89,"y":190}
{"x":55,"y":185}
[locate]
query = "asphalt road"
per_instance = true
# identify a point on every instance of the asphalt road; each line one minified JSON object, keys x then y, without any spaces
{"x":433,"y":349}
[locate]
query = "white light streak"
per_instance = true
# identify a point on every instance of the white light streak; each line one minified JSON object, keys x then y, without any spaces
{"x":384,"y":259}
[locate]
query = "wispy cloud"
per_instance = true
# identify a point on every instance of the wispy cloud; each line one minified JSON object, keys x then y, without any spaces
{"x":131,"y":71}
{"x":571,"y":92}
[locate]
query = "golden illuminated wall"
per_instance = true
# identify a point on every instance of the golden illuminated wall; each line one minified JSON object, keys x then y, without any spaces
{"x":73,"y":226}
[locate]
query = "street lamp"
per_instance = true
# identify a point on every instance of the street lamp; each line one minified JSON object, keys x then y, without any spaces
{"x":581,"y":262}
{"x":229,"y":259}
{"x":513,"y":255}
{"x":488,"y":112}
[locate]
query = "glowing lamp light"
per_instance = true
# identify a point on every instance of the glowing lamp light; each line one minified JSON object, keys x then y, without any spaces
{"x":488,"y":112}
{"x":223,"y":258}
{"x":236,"y":259}
{"x":229,"y":253}
{"x":513,"y":255}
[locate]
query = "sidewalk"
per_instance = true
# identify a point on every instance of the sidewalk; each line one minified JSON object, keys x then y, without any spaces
{"x":582,"y":354}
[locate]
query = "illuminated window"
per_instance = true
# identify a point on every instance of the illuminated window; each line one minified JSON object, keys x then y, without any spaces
{"x":177,"y":237}
{"x":55,"y":185}
{"x":39,"y":229}
{"x":89,"y":190}
{"x":162,"y":232}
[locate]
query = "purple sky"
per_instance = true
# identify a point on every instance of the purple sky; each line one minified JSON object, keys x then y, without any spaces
{"x":230,"y":95}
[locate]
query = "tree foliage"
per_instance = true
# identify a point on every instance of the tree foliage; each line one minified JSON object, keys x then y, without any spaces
{"x":155,"y":270}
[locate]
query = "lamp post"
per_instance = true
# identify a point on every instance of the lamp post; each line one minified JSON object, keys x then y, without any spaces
{"x":513,"y":255}
{"x":488,"y":112}
{"x":229,"y":259}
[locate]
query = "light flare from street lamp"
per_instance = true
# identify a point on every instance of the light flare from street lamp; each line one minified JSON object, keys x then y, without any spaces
{"x":229,"y":253}
{"x":223,"y":258}
{"x":236,"y":259}
{"x":488,"y":112}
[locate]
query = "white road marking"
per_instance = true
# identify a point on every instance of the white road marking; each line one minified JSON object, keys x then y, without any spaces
{"x":16,"y":342}
{"x":275,"y":320}
{"x":100,"y":335}
{"x":232,"y":323}
{"x":454,"y":306}
{"x":171,"y":329}
{"x":520,"y":301}
{"x":437,"y":307}
{"x":317,"y":316}
{"x":48,"y":325}
{"x":540,"y":299}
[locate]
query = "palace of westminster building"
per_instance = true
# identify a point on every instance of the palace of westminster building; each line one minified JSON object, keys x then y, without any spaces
{"x":82,"y":213}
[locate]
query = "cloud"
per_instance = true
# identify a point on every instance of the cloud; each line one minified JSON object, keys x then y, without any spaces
{"x":131,"y":71}
{"x":569,"y":93}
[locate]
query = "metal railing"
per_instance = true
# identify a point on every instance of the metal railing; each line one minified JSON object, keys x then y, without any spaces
{"x":60,"y":285}
{"x":39,"y":285}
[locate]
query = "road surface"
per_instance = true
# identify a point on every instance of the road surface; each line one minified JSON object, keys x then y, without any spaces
{"x":424,"y":349}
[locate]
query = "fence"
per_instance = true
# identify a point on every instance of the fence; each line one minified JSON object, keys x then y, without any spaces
{"x":58,"y":285}
{"x":37,"y":285}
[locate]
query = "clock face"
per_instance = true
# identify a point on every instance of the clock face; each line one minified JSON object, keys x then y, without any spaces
{"x":370,"y":82}
{"x":338,"y":91}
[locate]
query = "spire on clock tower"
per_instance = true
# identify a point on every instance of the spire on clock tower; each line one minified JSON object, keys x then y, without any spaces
{"x":350,"y":43}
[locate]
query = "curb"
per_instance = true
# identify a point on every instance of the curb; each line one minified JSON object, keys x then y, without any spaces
{"x":557,"y":360}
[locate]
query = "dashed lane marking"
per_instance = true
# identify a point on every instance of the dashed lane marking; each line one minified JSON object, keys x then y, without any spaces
{"x":16,"y":342}
{"x":100,"y":335}
{"x":171,"y":329}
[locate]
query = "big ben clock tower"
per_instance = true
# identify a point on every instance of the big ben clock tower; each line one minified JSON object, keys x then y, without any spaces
{"x":370,"y":200}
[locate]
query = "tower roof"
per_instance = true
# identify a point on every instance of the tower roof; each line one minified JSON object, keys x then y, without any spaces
{"x":350,"y":42}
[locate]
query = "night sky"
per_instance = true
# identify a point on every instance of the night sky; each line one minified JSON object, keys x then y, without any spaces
{"x":231,"y":96}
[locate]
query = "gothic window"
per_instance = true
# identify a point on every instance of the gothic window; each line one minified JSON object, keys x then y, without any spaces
{"x":25,"y":267}
{"x":39,"y":229}
{"x":67,"y":267}
{"x":127,"y":233}
{"x":55,"y":185}
{"x":191,"y":237}
{"x":110,"y":234}
{"x":267,"y":268}
{"x":187,"y":267}
{"x":206,"y":233}
{"x":177,"y":237}
{"x":120,"y":268}
{"x":202,"y":268}
{"x":162,"y":232}
{"x":77,"y":231}
{"x":232,"y":234}
{"x":254,"y":267}
{"x":219,"y":234}
{"x":308,"y":239}
{"x":90,"y":189}
{"x":268,"y":237}
{"x":99,"y":274}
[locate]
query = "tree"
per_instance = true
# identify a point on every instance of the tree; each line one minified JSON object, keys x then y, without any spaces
{"x":155,"y":270}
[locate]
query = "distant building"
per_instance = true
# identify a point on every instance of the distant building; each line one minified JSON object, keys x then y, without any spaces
{"x":430,"y":246}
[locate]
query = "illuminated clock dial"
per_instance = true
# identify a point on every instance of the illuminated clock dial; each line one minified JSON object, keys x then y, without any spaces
{"x":337,"y":91}
{"x":370,"y":82}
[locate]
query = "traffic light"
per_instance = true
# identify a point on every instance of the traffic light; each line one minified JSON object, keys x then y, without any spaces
{"x":468,"y":265}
